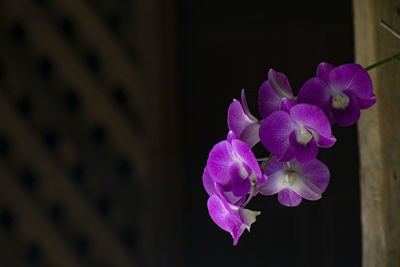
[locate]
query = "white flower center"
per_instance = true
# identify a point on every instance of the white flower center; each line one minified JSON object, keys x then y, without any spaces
{"x":303,"y":136}
{"x":340,"y":101}
{"x":253,"y":177}
{"x":289,"y":178}
{"x":243,"y":172}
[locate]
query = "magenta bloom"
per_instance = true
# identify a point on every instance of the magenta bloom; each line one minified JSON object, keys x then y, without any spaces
{"x":340,"y":92}
{"x":275,"y":94}
{"x":294,"y":181}
{"x":233,"y":166}
{"x":231,"y":171}
{"x":224,"y":192}
{"x":296,"y":133}
{"x":242,"y":123}
{"x":230,"y":218}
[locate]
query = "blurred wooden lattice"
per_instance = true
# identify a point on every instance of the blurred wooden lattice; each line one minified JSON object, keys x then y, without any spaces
{"x":80,"y":120}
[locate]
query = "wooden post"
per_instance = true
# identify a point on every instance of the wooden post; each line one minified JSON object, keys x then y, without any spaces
{"x":379,"y":134}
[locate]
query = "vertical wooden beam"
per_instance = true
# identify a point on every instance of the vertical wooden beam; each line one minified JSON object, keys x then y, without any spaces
{"x":379,"y":136}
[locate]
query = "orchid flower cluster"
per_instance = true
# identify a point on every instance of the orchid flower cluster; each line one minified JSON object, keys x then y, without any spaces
{"x":291,"y":128}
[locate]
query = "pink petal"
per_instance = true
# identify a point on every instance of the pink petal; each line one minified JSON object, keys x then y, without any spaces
{"x":240,"y":185}
{"x":228,"y":195}
{"x":305,"y":188}
{"x":268,"y":101}
{"x":220,"y":159}
{"x":315,"y":91}
{"x":250,"y":134}
{"x":315,"y":171}
{"x":273,"y":166}
{"x":230,"y":136}
{"x":366,"y":103}
{"x":225,"y":217}
{"x":323,"y":71}
{"x":286,"y":104}
{"x":312,"y":117}
{"x":279,"y":82}
{"x":351,"y":77}
{"x":237,"y":119}
{"x":273,"y":185}
{"x":289,"y":198}
{"x":246,"y":108}
{"x":275,"y":131}
{"x":323,"y":141}
{"x":244,"y":152}
{"x":303,"y":152}
{"x":208,"y":183}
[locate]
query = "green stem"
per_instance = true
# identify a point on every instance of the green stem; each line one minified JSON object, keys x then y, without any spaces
{"x":267,"y":161}
{"x":383,"y":61}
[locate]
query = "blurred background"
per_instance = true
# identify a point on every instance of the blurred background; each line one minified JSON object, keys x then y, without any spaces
{"x":108,"y":110}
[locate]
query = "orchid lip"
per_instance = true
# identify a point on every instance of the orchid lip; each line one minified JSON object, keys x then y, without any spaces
{"x":303,"y":136}
{"x":340,"y":101}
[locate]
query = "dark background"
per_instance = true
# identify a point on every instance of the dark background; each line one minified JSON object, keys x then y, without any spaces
{"x":109,"y":109}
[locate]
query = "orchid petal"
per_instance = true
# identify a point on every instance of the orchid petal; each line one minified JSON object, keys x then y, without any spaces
{"x":273,"y":166}
{"x":289,"y":198}
{"x":366,"y":103}
{"x":268,"y":100}
{"x":286,"y":104}
{"x":228,"y":195}
{"x":315,"y":171}
{"x":230,"y":136}
{"x":304,"y":152}
{"x":279,"y":82}
{"x":312,"y":117}
{"x":250,"y":134}
{"x":244,"y":152}
{"x":219,"y":161}
{"x":246,"y":108}
{"x":208,"y":182}
{"x":275,"y":131}
{"x":315,"y":91}
{"x":237,"y":119}
{"x":225,"y":217}
{"x":323,"y":141}
{"x":241,"y":185}
{"x":323,"y":71}
{"x":305,"y":188}
{"x":288,"y":155}
{"x":273,"y":185}
{"x":351,"y":77}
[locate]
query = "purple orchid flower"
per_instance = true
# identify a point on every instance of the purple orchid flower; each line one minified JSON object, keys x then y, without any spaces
{"x":231,"y":171}
{"x":230,"y":218}
{"x":242,"y":123}
{"x":296,"y":133}
{"x":224,"y":192}
{"x":339,"y":91}
{"x":294,"y":181}
{"x":275,"y":94}
{"x":233,"y":166}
